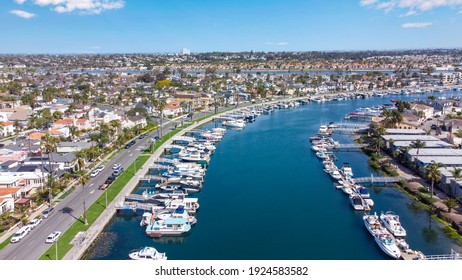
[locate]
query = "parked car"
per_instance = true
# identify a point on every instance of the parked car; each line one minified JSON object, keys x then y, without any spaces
{"x":20,"y":234}
{"x":118,"y":172}
{"x":100,"y":168}
{"x":110,"y":179}
{"x":132,"y":142}
{"x":128,"y":146}
{"x":47,"y":212}
{"x":53,"y":237}
{"x":94,"y":173}
{"x":34,"y":223}
{"x":104,"y":186}
{"x":142,"y":136}
{"x":116,"y":166}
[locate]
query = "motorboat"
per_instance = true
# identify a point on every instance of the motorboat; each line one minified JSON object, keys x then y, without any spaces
{"x":235,"y":124}
{"x":322,"y":154}
{"x":347,"y":170}
{"x":324,"y":130}
{"x":147,"y":253}
{"x":372,"y":223}
{"x":190,"y":204}
{"x":335,"y":174}
{"x":362,"y":191}
{"x":348,"y":190}
{"x":180,"y":212}
{"x":387,"y":243}
{"x":168,"y":227}
{"x":358,"y":202}
{"x":392,"y":223}
{"x":146,"y":219}
{"x":189,"y":182}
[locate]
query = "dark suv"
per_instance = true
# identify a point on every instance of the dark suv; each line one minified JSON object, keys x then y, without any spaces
{"x":47,"y":212}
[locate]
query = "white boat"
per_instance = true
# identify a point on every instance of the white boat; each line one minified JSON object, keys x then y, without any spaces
{"x":335,"y":174}
{"x":369,"y":202}
{"x":387,"y":243}
{"x":168,"y":227}
{"x":188,"y":181}
{"x":146,"y":219}
{"x":347,"y":190}
{"x":358,"y":202}
{"x":147,"y":253}
{"x":190,"y":204}
{"x":235,"y":124}
{"x":372,"y":223}
{"x":322,"y":154}
{"x":362,"y":191}
{"x":392,"y":223}
{"x":180,"y":212}
{"x":347,"y":170}
{"x":324,"y":130}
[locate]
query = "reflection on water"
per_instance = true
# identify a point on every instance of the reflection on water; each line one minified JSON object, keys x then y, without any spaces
{"x":104,"y":246}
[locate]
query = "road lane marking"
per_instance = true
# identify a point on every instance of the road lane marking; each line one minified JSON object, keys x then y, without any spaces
{"x":92,"y":191}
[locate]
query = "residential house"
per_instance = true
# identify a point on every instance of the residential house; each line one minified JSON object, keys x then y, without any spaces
{"x":83,"y":123}
{"x":7,"y":129}
{"x":7,"y":198}
{"x":71,"y":147}
{"x":173,"y":109}
{"x":67,"y":122}
{"x":428,"y":111}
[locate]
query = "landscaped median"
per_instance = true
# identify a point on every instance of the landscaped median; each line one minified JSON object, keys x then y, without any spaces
{"x":94,"y":211}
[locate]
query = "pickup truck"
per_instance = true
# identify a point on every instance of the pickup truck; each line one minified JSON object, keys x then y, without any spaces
{"x":103,"y":186}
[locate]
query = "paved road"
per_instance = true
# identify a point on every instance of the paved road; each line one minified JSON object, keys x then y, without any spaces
{"x":66,"y":212}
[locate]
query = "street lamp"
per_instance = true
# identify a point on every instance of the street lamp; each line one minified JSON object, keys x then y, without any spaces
{"x":56,"y":248}
{"x":105,"y":193}
{"x":84,"y":207}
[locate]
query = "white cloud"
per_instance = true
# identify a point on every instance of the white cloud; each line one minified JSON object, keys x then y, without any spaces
{"x":20,"y":1}
{"x":416,"y":24}
{"x":80,"y":6}
{"x":411,"y":5}
{"x":367,"y":2}
{"x":276,"y":43}
{"x":22,"y":14}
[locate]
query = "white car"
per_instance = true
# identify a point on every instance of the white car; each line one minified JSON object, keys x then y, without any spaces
{"x":116,"y":166}
{"x":20,"y":234}
{"x":35,"y":222}
{"x":94,"y":173}
{"x":100,"y":168}
{"x":53,"y":237}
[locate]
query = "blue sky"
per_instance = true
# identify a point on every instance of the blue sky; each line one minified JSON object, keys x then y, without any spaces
{"x":150,"y":26}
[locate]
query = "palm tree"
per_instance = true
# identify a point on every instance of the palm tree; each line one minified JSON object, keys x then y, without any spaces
{"x":49,"y":144}
{"x":80,"y":155}
{"x":418,"y":144}
{"x":160,"y":104}
{"x":450,"y":203}
{"x":433,"y":174}
{"x":117,"y":125}
{"x":83,"y":179}
{"x":74,"y":131}
{"x":456,"y":173}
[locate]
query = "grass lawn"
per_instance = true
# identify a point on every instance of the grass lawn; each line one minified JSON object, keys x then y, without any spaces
{"x":6,"y":242}
{"x":93,"y":212}
{"x":66,"y":193}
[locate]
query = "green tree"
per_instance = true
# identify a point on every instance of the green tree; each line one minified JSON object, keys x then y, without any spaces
{"x":450,"y":203}
{"x":433,"y":174}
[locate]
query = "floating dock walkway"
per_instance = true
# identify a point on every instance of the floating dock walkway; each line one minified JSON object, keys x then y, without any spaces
{"x":377,"y":181}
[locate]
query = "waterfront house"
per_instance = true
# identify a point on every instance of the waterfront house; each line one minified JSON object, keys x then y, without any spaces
{"x":395,"y":138}
{"x":427,"y":111}
{"x":448,"y":162}
{"x":443,"y":152}
{"x":173,"y":109}
{"x":455,"y":188}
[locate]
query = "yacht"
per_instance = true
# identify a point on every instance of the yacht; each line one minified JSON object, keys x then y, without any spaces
{"x":372,"y":223}
{"x":387,"y":243}
{"x":147,"y":253}
{"x":324,"y":130}
{"x":168,"y":227}
{"x":335,"y":174}
{"x":235,"y":123}
{"x":180,"y":212}
{"x":392,"y":223}
{"x":347,"y":170}
{"x":146,"y":219}
{"x":362,"y":191}
{"x":358,"y":202}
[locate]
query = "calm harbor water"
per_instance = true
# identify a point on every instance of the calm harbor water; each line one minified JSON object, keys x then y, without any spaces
{"x":265,"y":197}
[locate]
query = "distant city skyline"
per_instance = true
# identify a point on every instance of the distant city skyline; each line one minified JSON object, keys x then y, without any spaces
{"x":139,"y":26}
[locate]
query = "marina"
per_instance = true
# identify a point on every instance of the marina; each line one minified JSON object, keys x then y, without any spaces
{"x":244,"y":153}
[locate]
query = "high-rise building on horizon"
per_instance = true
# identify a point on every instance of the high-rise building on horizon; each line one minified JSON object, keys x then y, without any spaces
{"x":185,"y":51}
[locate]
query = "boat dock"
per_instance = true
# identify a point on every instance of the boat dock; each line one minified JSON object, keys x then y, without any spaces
{"x":153,"y":178}
{"x":377,"y":181}
{"x":160,"y":167}
{"x":134,"y":206}
{"x":165,"y":160}
{"x":417,"y":255}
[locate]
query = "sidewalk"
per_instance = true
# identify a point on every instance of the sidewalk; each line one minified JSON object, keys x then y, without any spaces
{"x":415,"y":182}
